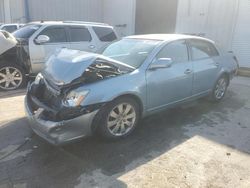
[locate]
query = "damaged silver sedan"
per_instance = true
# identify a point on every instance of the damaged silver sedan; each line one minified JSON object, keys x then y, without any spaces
{"x":82,"y":93}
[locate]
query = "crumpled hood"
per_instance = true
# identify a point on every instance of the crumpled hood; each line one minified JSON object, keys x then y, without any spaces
{"x":67,"y":65}
{"x":7,"y":41}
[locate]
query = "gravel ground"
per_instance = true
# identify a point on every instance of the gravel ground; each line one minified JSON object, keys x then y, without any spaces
{"x":196,"y":145}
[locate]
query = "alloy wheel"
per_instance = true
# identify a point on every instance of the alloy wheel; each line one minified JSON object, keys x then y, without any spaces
{"x":121,"y":119}
{"x":220,"y":88}
{"x":10,"y":78}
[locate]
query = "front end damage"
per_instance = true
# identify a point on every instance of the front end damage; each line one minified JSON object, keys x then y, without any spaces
{"x":49,"y":108}
{"x":61,"y":130}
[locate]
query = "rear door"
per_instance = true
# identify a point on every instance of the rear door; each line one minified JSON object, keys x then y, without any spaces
{"x":39,"y":53}
{"x":206,"y":65}
{"x":81,"y":39}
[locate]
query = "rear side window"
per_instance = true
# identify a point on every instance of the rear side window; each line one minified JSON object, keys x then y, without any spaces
{"x":79,"y":34}
{"x":105,"y":34}
{"x":202,"y":49}
{"x":177,"y":51}
{"x":56,"y":34}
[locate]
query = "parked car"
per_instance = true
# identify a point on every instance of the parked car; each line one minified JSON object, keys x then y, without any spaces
{"x":11,"y":27}
{"x":79,"y":93}
{"x":39,"y":40}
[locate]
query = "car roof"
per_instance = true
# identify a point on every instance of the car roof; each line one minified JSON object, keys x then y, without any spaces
{"x":166,"y":37}
{"x":9,"y":24}
{"x":71,"y":23}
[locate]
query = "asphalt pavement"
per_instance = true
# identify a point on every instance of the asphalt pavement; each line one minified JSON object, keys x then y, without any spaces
{"x":201,"y":144}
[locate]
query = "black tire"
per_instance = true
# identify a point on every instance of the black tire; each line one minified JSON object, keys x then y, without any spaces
{"x":215,"y":97}
{"x":102,"y":118}
{"x":20,"y":75}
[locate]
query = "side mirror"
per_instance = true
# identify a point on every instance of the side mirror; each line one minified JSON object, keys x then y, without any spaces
{"x":161,"y":63}
{"x":41,"y":39}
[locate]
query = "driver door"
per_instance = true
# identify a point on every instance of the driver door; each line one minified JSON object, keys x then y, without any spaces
{"x":166,"y":86}
{"x":39,"y":53}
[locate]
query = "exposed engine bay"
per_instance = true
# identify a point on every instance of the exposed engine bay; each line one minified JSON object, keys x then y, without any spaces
{"x":100,"y":70}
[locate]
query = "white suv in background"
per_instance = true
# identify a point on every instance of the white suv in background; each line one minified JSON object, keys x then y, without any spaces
{"x":39,"y":40}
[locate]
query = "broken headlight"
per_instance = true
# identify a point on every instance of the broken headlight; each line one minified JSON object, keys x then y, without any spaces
{"x":39,"y":77}
{"x":75,"y":98}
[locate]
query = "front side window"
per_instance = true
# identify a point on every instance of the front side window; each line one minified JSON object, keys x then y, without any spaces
{"x":177,"y":51}
{"x":202,"y":49}
{"x":105,"y":34}
{"x":79,"y":34}
{"x":132,"y":52}
{"x":56,"y":34}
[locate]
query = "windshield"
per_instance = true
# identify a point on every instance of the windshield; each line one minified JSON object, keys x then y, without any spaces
{"x":132,"y":52}
{"x":26,"y":31}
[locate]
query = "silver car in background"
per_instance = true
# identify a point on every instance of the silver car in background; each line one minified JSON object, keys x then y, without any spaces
{"x":82,"y":93}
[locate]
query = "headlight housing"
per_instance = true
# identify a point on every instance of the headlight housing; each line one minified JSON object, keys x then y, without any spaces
{"x":75,"y":98}
{"x":39,"y":77}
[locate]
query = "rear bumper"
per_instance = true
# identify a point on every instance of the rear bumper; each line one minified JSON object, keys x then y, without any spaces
{"x":62,"y":132}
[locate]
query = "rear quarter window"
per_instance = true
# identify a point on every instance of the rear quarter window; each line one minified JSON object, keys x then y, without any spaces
{"x":105,"y":34}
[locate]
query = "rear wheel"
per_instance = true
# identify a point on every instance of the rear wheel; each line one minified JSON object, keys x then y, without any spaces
{"x":220,"y":89}
{"x":118,"y":119}
{"x":12,"y":77}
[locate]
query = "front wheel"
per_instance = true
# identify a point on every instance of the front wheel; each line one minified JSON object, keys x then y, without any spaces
{"x":220,"y":89}
{"x":12,"y":77}
{"x":119,"y":118}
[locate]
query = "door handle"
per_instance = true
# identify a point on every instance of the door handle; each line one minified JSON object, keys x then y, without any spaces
{"x":217,"y":64}
{"x":91,"y":46}
{"x":188,"y":71}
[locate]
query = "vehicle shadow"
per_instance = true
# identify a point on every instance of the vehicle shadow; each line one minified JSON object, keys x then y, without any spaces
{"x":14,"y":93}
{"x":92,"y":160}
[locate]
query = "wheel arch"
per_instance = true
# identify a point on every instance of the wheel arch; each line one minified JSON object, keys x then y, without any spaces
{"x":134,"y":97}
{"x":227,"y":75}
{"x":12,"y":57}
{"x":137,"y":99}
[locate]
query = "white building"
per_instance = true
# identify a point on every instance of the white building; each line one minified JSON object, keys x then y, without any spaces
{"x":225,"y":21}
{"x":12,"y":11}
{"x":127,"y":16}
